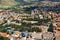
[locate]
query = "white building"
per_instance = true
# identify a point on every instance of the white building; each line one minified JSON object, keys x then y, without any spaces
{"x":41,"y":17}
{"x":34,"y":22}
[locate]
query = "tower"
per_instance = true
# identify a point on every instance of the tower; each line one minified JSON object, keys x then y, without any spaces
{"x":34,"y":13}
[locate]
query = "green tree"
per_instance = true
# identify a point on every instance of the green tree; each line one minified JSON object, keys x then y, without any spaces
{"x":3,"y":38}
{"x":36,"y":29}
{"x":51,"y":28}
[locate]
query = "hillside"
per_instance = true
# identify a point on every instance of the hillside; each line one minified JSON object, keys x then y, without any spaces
{"x":7,"y":3}
{"x":10,"y":3}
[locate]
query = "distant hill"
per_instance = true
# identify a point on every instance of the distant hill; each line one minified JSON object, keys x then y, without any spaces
{"x":7,"y":3}
{"x":55,"y":0}
{"x":45,"y":0}
{"x":51,"y":0}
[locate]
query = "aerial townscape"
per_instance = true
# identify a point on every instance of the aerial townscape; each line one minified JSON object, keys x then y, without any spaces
{"x":29,"y":19}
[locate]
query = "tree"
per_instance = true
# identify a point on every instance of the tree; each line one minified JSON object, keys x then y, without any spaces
{"x":3,"y":38}
{"x":36,"y":29}
{"x":51,"y":28}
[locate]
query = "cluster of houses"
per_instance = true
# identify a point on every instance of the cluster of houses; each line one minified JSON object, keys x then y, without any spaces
{"x":10,"y":16}
{"x":17,"y":18}
{"x":32,"y":36}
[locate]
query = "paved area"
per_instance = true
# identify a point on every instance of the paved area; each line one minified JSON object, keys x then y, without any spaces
{"x":57,"y":35}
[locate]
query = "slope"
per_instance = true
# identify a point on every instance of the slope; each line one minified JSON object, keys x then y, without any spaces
{"x":7,"y":3}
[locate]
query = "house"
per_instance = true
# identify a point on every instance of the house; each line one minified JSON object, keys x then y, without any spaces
{"x":48,"y":36}
{"x":32,"y":22}
{"x":41,"y":16}
{"x":34,"y":13}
